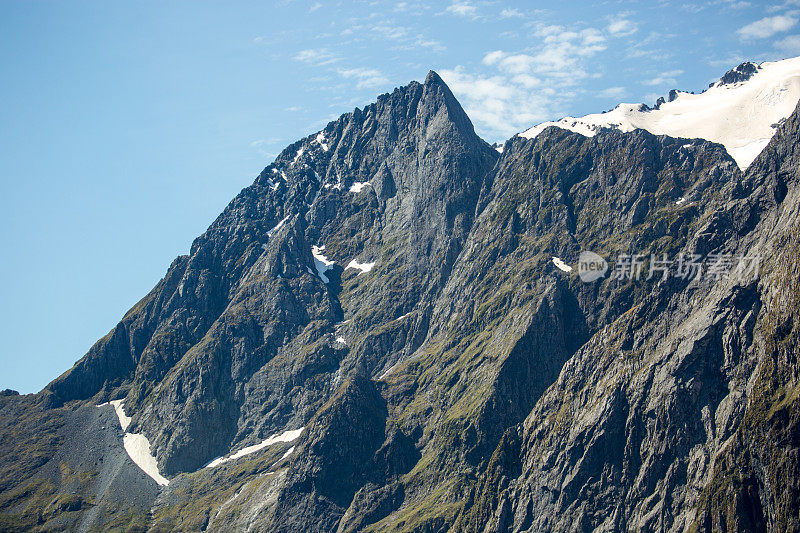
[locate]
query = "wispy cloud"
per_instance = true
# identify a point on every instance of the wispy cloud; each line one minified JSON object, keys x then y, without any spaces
{"x":614,"y":93}
{"x":651,"y":47}
{"x":316,"y":56}
{"x":390,"y":31}
{"x":385,"y":29}
{"x":788,"y":4}
{"x":665,"y":78}
{"x":727,"y":62}
{"x":412,"y":8}
{"x":730,"y":4}
{"x":314,"y":7}
{"x":767,"y":27}
{"x":462,"y":8}
{"x":621,"y":26}
{"x":789,"y":44}
{"x":366,"y":78}
{"x":261,"y":146}
{"x":420,"y":41}
{"x":509,"y":13}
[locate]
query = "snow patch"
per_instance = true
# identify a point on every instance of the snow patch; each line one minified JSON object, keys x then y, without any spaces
{"x":740,"y":116}
{"x":362,"y":267}
{"x":278,"y":226}
{"x":388,"y":371}
{"x":299,"y":154}
{"x":124,"y":421}
{"x":321,"y":263}
{"x":136,"y":445}
{"x":341,"y":340}
{"x":358,"y":186}
{"x":288,"y":453}
{"x":286,"y":436}
{"x":321,"y":141}
{"x":561,"y":265}
{"x":138,"y":448}
{"x":680,"y":200}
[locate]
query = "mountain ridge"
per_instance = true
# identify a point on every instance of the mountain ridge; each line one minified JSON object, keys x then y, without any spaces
{"x":741,"y":111}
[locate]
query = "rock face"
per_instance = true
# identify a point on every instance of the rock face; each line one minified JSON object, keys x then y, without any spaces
{"x":389,"y":285}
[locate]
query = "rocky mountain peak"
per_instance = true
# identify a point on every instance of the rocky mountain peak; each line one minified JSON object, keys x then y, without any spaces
{"x":389,"y":330}
{"x":741,"y":73}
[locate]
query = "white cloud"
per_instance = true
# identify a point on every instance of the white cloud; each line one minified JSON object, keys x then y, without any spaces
{"x":462,"y":9}
{"x":316,"y":56}
{"x":665,"y":78}
{"x":622,"y":26}
{"x":367,"y":78}
{"x":314,"y":7}
{"x":767,"y":27}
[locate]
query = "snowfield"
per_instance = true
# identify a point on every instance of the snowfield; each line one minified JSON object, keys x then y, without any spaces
{"x":740,"y":116}
{"x":286,"y":436}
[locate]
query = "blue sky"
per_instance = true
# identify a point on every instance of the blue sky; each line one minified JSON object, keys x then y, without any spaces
{"x":126,"y":127}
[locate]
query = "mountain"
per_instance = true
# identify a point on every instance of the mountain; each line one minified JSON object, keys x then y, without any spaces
{"x":390,"y":331}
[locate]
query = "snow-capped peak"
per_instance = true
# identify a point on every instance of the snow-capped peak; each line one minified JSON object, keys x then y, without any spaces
{"x":741,"y":111}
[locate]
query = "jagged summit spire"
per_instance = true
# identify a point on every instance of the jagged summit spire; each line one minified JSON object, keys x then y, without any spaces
{"x":437,"y":90}
{"x":433,"y":78}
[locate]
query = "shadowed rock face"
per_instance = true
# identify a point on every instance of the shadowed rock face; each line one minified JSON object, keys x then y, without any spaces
{"x":463,"y":381}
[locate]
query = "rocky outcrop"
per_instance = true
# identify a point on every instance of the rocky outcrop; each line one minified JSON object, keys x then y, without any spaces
{"x":739,"y":74}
